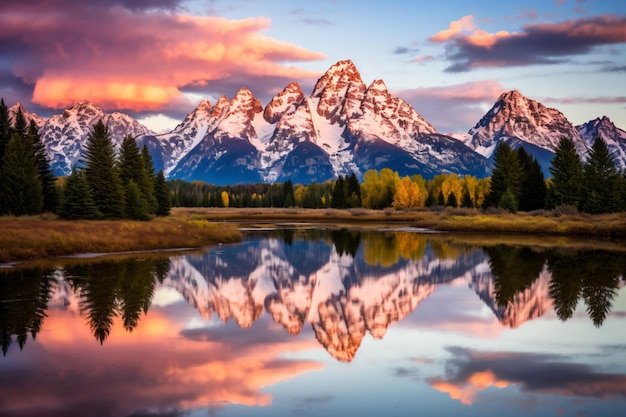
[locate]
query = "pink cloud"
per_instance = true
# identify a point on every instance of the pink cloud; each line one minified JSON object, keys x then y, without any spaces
{"x":421,"y":59}
{"x":466,"y":23}
{"x":138,"y":60}
{"x":203,"y":372}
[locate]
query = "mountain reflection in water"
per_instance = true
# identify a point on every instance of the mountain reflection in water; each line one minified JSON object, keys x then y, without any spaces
{"x":334,"y":285}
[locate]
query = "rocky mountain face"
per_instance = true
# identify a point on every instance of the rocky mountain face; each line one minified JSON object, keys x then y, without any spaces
{"x":343,"y":126}
{"x":522,"y":122}
{"x":614,"y":137}
{"x":39,"y":121}
{"x":65,"y":135}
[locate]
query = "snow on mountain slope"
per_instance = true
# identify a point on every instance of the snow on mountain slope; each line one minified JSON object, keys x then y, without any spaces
{"x":28,"y":116}
{"x":185,"y":136}
{"x":614,"y":137}
{"x":344,"y":126}
{"x":65,"y":135}
{"x":515,"y":116}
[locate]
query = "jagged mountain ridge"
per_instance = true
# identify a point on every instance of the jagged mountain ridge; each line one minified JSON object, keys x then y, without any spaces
{"x":28,"y":116}
{"x":344,"y":126}
{"x":522,"y":122}
{"x":614,"y":137}
{"x":65,"y":135}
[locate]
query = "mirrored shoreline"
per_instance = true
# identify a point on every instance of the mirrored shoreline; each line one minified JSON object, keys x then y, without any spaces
{"x":244,"y":318}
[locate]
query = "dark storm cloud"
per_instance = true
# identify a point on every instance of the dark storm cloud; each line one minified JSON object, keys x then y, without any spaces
{"x":468,"y":47}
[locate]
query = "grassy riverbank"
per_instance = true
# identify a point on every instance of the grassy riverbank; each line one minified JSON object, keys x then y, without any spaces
{"x":451,"y":220}
{"x":27,"y":238}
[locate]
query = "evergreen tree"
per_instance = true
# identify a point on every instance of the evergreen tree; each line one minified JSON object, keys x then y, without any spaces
{"x":20,"y":126}
{"x":162,"y":194}
{"x":136,"y":205}
{"x":148,"y":187}
{"x":452,"y":200}
{"x":440,"y":199}
{"x":353,"y":191}
{"x":5,"y":129}
{"x":508,"y":201}
{"x":132,"y":166}
{"x":507,"y":174}
{"x":624,"y":196}
{"x":47,"y":178}
{"x":339,"y":197}
{"x":101,"y":173}
{"x":534,"y":190}
{"x":288,"y":196}
{"x":466,"y":199}
{"x":601,"y":181}
{"x":76,"y":199}
{"x":567,"y":175}
{"x":21,"y":187}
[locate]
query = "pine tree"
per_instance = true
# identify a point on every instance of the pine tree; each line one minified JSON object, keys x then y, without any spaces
{"x":508,"y":201}
{"x":5,"y":128}
{"x":101,"y":173}
{"x":507,"y":174}
{"x":466,"y":199}
{"x":132,"y":167}
{"x":148,"y":187}
{"x":534,"y":190}
{"x":601,"y":181}
{"x":288,"y":197}
{"x":136,"y":205}
{"x":353,"y":191}
{"x":47,"y":178}
{"x":339,"y":197}
{"x":21,"y":187}
{"x":567,"y":175}
{"x":452,"y":201}
{"x":76,"y":199}
{"x":20,"y":126}
{"x":162,"y":195}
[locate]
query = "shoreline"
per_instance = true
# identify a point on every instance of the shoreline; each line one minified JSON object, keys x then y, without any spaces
{"x":40,"y":238}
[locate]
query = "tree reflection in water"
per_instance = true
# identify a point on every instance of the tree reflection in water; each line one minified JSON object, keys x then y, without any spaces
{"x":125,"y":288}
{"x":24,"y":296}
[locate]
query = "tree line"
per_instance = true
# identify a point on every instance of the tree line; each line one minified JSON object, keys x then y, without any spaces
{"x":104,"y":185}
{"x":517,"y":183}
{"x":108,"y":185}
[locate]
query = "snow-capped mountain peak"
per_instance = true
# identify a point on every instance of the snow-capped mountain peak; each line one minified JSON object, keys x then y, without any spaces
{"x":520,"y":121}
{"x":65,"y":134}
{"x":614,"y":137}
{"x":28,"y":116}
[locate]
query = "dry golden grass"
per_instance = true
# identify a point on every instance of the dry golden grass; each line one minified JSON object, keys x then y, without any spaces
{"x":27,"y":238}
{"x":459,"y":220}
{"x":24,"y":238}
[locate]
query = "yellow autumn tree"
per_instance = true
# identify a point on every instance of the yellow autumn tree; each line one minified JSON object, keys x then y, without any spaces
{"x":225,"y":199}
{"x":377,"y":190}
{"x":452,"y":184}
{"x":407,"y":194}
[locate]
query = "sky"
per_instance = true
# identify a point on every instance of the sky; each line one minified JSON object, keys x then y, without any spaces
{"x":450,"y":59}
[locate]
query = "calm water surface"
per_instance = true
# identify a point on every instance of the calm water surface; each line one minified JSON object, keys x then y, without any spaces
{"x":319,"y":323}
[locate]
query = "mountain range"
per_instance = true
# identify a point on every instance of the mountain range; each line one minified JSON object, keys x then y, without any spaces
{"x":343,"y":126}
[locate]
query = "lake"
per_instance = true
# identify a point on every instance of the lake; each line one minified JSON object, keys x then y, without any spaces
{"x":303,"y":321}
